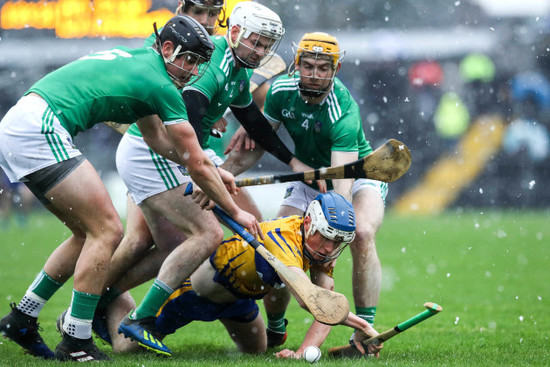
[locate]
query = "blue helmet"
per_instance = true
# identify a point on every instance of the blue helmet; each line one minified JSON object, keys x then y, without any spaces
{"x":333,"y":216}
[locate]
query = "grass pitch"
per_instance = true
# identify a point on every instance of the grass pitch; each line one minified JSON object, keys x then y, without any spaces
{"x":489,"y":271}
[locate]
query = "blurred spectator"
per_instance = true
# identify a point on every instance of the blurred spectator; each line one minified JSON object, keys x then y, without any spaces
{"x":451,"y":117}
{"x":527,"y":135}
{"x":425,"y":78}
{"x":478,"y":73}
{"x":530,"y":92}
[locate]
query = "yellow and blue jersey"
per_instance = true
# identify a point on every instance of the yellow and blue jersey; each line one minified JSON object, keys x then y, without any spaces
{"x":248,"y":275}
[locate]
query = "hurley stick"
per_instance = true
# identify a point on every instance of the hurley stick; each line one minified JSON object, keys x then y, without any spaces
{"x":351,"y":350}
{"x":387,"y":163}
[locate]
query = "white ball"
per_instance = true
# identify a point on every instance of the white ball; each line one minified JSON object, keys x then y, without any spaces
{"x":312,"y":354}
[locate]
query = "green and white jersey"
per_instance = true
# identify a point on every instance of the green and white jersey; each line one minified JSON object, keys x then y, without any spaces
{"x":120,"y":85}
{"x":223,"y":84}
{"x":317,"y":130}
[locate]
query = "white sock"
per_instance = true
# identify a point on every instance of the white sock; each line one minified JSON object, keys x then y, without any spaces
{"x":77,"y":328}
{"x":31,"y":304}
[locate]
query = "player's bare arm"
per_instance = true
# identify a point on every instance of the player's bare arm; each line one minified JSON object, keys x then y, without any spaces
{"x":157,"y":138}
{"x":343,"y":187}
{"x":205,"y":174}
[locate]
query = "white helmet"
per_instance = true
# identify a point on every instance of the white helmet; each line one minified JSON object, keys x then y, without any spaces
{"x":333,"y":216}
{"x":252,"y":17}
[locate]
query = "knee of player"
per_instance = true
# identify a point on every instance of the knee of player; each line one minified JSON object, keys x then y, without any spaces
{"x":112,"y":235}
{"x":214,"y":235}
{"x":364,"y":235}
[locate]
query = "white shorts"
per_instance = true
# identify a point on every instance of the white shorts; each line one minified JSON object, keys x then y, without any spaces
{"x":299,"y":195}
{"x":145,"y":172}
{"x":32,"y":138}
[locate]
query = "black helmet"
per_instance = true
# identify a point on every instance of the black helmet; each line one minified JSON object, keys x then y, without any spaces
{"x":205,"y":3}
{"x":187,"y":33}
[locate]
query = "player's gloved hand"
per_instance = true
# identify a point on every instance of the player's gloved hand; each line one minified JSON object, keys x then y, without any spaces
{"x":240,"y":141}
{"x":287,"y":353}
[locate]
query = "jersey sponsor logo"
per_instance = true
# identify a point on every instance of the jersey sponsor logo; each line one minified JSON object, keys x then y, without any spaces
{"x":318,"y":126}
{"x":288,"y":114}
{"x":241,"y":86}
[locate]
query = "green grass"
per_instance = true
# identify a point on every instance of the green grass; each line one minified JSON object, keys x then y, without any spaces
{"x":489,"y":271}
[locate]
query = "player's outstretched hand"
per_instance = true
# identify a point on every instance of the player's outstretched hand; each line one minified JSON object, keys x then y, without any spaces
{"x":287,"y":354}
{"x":240,"y":141}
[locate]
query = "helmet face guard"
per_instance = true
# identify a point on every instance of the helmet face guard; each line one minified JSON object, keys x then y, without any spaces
{"x":334,"y":218}
{"x":189,"y":66}
{"x":190,"y":39}
{"x":253,"y":18}
{"x":317,"y":46}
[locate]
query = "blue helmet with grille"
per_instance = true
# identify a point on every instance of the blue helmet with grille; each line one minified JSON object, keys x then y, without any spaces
{"x":333,"y":216}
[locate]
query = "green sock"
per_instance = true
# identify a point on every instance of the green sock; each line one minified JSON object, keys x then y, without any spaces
{"x":366,"y":313}
{"x":44,"y":286}
{"x":83,"y":305}
{"x":153,"y":301}
{"x":108,"y":297}
{"x":276,"y":322}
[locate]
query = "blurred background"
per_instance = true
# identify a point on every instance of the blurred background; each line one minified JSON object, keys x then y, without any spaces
{"x":465,"y":84}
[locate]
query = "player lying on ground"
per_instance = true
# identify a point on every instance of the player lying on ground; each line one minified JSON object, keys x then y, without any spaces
{"x":230,"y":282}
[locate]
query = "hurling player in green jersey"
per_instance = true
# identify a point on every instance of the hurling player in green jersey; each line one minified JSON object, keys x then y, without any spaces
{"x":324,"y":122}
{"x":155,"y":184}
{"x":36,"y":147}
{"x":138,"y":257}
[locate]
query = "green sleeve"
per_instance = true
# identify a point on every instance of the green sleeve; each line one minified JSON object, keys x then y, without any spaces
{"x":270,"y":110}
{"x":169,"y":105}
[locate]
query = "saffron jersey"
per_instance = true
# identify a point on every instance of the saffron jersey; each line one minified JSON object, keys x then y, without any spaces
{"x":245,"y":273}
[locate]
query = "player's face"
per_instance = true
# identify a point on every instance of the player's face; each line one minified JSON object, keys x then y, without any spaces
{"x":254,"y":48}
{"x":315,"y":73}
{"x":185,"y":67}
{"x":207,"y":16}
{"x":322,"y":248}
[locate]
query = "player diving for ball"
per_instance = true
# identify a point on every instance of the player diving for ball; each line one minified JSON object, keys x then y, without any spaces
{"x":324,"y":122}
{"x":226,"y":286}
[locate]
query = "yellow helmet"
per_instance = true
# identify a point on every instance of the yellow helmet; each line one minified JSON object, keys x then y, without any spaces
{"x":319,"y":43}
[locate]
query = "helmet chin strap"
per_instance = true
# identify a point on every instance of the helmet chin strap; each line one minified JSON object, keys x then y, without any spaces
{"x":312,"y":93}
